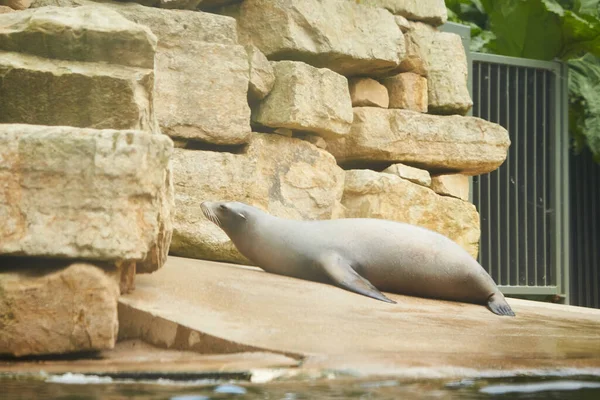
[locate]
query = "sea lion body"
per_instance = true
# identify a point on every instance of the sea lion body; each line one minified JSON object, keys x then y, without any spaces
{"x":360,"y":254}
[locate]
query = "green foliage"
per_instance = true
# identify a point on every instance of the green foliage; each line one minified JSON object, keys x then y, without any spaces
{"x":545,"y":30}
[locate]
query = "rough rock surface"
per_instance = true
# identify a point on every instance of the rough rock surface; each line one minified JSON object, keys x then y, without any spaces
{"x":206,"y":103}
{"x":306,"y":98}
{"x":262,"y":77}
{"x":455,"y":185}
{"x":407,"y":91}
{"x":80,"y":193}
{"x":80,"y":94}
{"x":440,"y":56}
{"x":85,"y":33}
{"x":467,"y":145}
{"x":432,"y":12}
{"x":414,"y":175}
{"x":287,"y":177}
{"x":56,"y":310}
{"x":369,"y":194}
{"x":346,"y":37}
{"x":367,"y":92}
{"x":6,"y":10}
{"x":16,"y":4}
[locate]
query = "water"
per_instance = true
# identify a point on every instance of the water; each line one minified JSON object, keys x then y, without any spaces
{"x":86,"y":387}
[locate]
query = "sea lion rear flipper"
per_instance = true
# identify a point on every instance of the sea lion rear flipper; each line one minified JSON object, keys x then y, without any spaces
{"x":498,"y":305}
{"x":342,"y":274}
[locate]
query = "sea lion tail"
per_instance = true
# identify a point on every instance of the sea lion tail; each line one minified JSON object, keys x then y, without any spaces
{"x":498,"y":305}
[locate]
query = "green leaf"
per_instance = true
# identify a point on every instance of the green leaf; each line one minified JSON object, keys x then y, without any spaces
{"x":584,"y":100}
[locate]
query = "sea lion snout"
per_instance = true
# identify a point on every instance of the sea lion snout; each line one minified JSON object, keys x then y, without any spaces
{"x":208,"y":209}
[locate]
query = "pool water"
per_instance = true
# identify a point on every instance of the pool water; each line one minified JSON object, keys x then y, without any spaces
{"x":574,"y":387}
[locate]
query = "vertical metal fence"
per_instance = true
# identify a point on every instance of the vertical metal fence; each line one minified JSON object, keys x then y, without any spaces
{"x":521,"y":204}
{"x":585,"y":231}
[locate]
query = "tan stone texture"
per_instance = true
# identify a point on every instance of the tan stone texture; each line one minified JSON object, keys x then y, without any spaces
{"x":16,"y":4}
{"x":451,"y":185}
{"x":95,"y":95}
{"x":56,"y":310}
{"x":407,"y":91}
{"x":306,"y":98}
{"x":6,"y":10}
{"x":414,"y":175}
{"x":432,"y":12}
{"x":262,"y":77}
{"x":287,"y":177}
{"x":201,"y":72}
{"x":440,"y":56}
{"x":80,"y":193}
{"x":459,"y":144}
{"x":369,"y":194}
{"x":85,"y":33}
{"x":344,"y":36}
{"x":367,"y":92}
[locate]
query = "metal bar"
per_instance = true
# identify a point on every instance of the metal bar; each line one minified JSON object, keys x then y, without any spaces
{"x":544,"y":204}
{"x":556,"y":185}
{"x":534,"y":184}
{"x":489,"y":183}
{"x":520,"y":62}
{"x":563,"y":108}
{"x":507,"y":183}
{"x":517,"y":211}
{"x":525,"y":187}
{"x":499,"y":197}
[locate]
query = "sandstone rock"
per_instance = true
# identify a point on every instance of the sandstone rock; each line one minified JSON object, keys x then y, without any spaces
{"x":122,"y":272}
{"x":369,"y":194}
{"x":312,"y":138}
{"x":346,"y":37}
{"x":211,"y":4}
{"x":87,"y":33}
{"x":402,"y":23}
{"x":5,"y":10}
{"x":306,"y":98}
{"x":201,"y":72}
{"x":441,"y":57}
{"x":75,"y":93}
{"x":431,"y":11}
{"x":467,"y":145}
{"x":407,"y":91}
{"x":16,"y":4}
{"x":414,"y":175}
{"x":455,"y":185}
{"x":287,"y":177}
{"x":56,"y":310}
{"x":80,"y":193}
{"x":367,"y":92}
{"x":262,"y":77}
{"x":179,"y":4}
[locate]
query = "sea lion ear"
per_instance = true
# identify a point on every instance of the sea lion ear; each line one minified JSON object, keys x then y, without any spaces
{"x":242,"y":216}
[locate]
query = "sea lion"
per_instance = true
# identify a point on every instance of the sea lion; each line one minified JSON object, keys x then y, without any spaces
{"x":362,"y":255}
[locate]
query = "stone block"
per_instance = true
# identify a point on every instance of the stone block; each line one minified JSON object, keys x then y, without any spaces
{"x":441,"y":144}
{"x":262,"y":77}
{"x":367,"y":92}
{"x":56,"y":310}
{"x":306,"y":98}
{"x":370,"y":194}
{"x":288,"y":177}
{"x":87,"y":33}
{"x":407,"y":91}
{"x":346,"y":37}
{"x":455,"y":185}
{"x":414,"y":175}
{"x":432,"y":12}
{"x":16,"y":4}
{"x":81,"y":193}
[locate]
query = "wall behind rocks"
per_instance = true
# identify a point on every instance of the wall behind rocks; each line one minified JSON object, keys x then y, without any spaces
{"x":313,"y":110}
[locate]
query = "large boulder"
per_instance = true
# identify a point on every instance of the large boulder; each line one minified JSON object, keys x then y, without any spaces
{"x":346,"y":37}
{"x":306,"y":98}
{"x":80,"y":94}
{"x":53,"y":310}
{"x":81,"y":193}
{"x":370,"y":194}
{"x":201,"y":72}
{"x":287,"y":177}
{"x":432,"y":12}
{"x":262,"y":77}
{"x":407,"y":91}
{"x":16,"y":4}
{"x":367,"y":92}
{"x":440,"y":56}
{"x":436,"y":143}
{"x":85,"y":33}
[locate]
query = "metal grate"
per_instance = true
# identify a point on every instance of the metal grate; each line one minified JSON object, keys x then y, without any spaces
{"x":585,"y":231}
{"x":521,"y":203}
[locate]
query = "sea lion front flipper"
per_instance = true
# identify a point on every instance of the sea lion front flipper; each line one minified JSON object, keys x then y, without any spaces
{"x":342,"y":274}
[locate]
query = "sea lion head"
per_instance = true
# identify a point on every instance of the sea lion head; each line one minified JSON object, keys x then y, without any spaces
{"x":229,"y":216}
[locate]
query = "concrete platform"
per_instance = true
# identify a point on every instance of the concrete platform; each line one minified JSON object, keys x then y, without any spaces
{"x":213,"y":307}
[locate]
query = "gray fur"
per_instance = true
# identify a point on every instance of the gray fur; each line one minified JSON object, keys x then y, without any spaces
{"x":360,"y":254}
